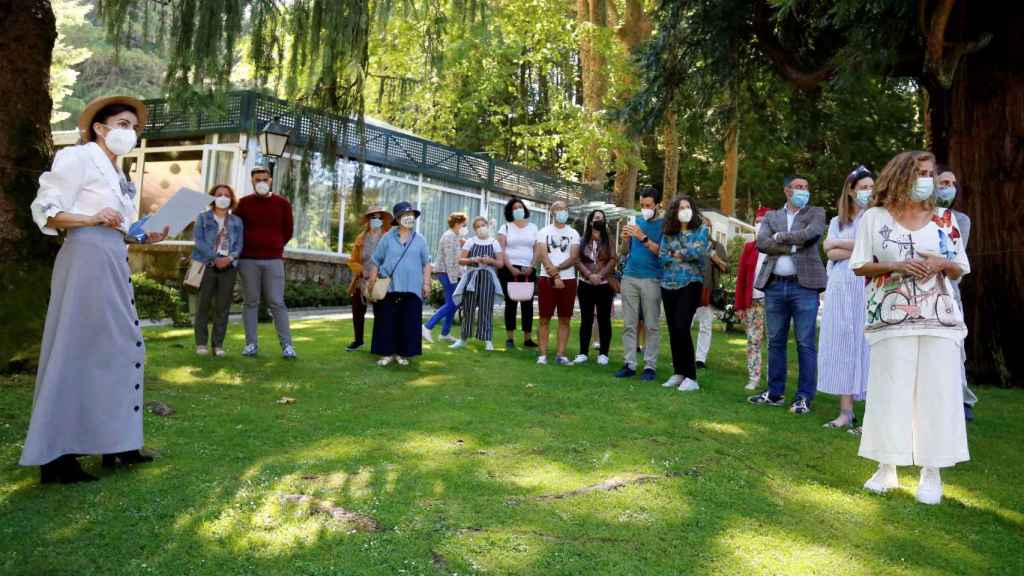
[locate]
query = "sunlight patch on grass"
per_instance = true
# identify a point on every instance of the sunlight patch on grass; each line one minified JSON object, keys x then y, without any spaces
{"x":973,"y":499}
{"x":757,"y":548}
{"x":168,"y":334}
{"x":500,"y":551}
{"x":719,"y":427}
{"x":737,"y":342}
{"x":430,"y":380}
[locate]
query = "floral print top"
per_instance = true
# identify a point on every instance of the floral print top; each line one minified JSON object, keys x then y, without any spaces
{"x":899,"y":305}
{"x":682,"y":257}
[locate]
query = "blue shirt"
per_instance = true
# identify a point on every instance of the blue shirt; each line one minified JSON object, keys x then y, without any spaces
{"x":406,"y":275}
{"x":642,"y":263}
{"x":693,"y":246}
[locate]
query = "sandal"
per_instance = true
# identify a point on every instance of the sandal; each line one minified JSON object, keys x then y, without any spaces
{"x":851,"y":421}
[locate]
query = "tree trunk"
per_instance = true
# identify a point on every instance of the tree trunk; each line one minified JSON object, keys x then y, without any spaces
{"x":670,"y":140}
{"x":624,"y":192}
{"x":29,"y":30}
{"x":978,"y":127}
{"x":594,"y":81}
{"x":727,"y":192}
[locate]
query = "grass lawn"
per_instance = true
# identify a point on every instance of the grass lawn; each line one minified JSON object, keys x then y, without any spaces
{"x":467,"y":462}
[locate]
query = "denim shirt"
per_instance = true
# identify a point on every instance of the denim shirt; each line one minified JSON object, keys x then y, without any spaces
{"x":407,"y":275}
{"x":205,"y":233}
{"x":693,"y":245}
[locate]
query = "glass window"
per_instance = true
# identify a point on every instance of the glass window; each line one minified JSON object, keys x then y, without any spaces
{"x":312,"y":189}
{"x":378,"y":190}
{"x":436,"y":205}
{"x":440,"y":182}
{"x":228,"y":138}
{"x":221,"y":168}
{"x":165,"y":172}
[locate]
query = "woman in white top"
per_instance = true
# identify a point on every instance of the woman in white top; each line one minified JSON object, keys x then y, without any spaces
{"x":449,"y":272}
{"x":479,"y":288}
{"x":88,"y":396}
{"x":910,"y":251}
{"x":517,"y":238}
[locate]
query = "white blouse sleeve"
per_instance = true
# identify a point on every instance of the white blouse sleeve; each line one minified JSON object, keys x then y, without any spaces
{"x":862,"y":249}
{"x":58,"y":189}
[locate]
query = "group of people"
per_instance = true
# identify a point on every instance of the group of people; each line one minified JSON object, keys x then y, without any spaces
{"x":892,"y":328}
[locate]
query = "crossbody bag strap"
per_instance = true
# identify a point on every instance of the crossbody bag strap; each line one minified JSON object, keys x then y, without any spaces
{"x":407,"y":246}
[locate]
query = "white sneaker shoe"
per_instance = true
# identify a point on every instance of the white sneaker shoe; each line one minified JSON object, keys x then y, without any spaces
{"x":427,"y":335}
{"x":688,"y":385}
{"x":602,"y":360}
{"x":673,"y":381}
{"x":218,"y":352}
{"x":457,"y":344}
{"x":448,"y":338}
{"x":489,"y":346}
{"x":402,"y":361}
{"x":929,"y":488}
{"x":885,"y":479}
{"x":580,"y":359}
{"x":202,"y":350}
{"x":751,"y":385}
{"x":385,"y":361}
{"x":542,"y":359}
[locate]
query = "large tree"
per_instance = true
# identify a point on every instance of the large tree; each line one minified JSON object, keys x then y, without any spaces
{"x":965,"y":55}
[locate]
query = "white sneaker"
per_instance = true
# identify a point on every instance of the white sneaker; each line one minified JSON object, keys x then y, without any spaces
{"x":427,"y":335}
{"x":202,"y":350}
{"x":673,"y":381}
{"x":885,"y":479}
{"x":457,"y":344}
{"x":602,"y":360}
{"x":688,"y":385}
{"x":448,"y":338}
{"x":751,"y":385}
{"x":542,"y":359}
{"x":929,"y":488}
{"x":489,"y":346}
{"x":385,"y":361}
{"x":218,"y":352}
{"x":580,"y":359}
{"x":402,"y":361}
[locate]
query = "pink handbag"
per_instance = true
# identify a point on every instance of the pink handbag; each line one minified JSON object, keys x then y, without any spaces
{"x":520,"y":291}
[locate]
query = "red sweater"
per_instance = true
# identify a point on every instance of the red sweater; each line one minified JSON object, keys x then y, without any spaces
{"x":745,"y":276}
{"x":268,"y":225}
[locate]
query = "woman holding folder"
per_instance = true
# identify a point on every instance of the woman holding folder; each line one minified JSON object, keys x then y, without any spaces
{"x":88,"y":395}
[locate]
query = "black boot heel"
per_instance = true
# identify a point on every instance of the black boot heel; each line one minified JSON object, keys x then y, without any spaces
{"x":109,"y":461}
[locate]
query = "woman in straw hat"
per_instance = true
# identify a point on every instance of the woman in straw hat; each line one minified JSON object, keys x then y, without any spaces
{"x":88,"y":395}
{"x":376,"y":221}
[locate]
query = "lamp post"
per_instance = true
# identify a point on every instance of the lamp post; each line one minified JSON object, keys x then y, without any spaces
{"x":273,"y":139}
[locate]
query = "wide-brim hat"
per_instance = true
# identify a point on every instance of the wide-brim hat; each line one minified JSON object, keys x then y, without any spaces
{"x":403,"y":207}
{"x":85,"y":119}
{"x":377,"y":210}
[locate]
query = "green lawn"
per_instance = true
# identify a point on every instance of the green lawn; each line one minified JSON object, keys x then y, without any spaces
{"x":457,"y":458}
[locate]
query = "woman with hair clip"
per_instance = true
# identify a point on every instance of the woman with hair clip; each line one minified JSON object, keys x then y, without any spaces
{"x":842,"y":349}
{"x":683,"y":250}
{"x":595,"y":266}
{"x":911,"y":252}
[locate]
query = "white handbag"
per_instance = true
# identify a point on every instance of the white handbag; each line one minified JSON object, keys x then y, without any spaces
{"x":194,"y":276}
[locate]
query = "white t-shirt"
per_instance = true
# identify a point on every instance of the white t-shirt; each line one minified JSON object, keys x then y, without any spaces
{"x":903,"y":306}
{"x":519,"y":242}
{"x":559,"y":242}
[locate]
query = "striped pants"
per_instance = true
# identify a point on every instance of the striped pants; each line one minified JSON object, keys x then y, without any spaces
{"x":478,"y":310}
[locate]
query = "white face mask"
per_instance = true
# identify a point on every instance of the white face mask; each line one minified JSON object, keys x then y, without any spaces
{"x":685,"y":215}
{"x":222,"y":202}
{"x":923,"y":189}
{"x":408,"y":222}
{"x":483,"y":232}
{"x":120,"y":141}
{"x":647,"y":213}
{"x":262,"y":188}
{"x":376,"y":223}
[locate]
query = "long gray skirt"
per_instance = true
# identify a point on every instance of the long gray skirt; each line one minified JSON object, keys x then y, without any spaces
{"x":88,"y":396}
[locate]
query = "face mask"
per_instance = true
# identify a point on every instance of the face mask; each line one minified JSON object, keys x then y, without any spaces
{"x":800,"y":198}
{"x":120,"y":141}
{"x":408,"y":221}
{"x":598,"y":224}
{"x":561,"y":216}
{"x":923,"y":189}
{"x":222,"y":202}
{"x":483,"y":232}
{"x":864,"y":196}
{"x":685,"y":215}
{"x":519,"y":214}
{"x":262,"y":188}
{"x":945,"y":195}
{"x":376,"y":223}
{"x":647,"y":213}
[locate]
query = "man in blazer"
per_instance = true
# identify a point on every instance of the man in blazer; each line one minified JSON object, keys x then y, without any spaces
{"x":792,"y":277}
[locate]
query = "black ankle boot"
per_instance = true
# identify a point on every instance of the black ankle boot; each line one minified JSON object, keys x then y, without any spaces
{"x":64,"y":470}
{"x":125,"y":458}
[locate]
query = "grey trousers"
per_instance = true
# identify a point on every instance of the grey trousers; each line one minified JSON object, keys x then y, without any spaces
{"x":216,"y":292}
{"x":266,"y":278}
{"x":645,"y":294}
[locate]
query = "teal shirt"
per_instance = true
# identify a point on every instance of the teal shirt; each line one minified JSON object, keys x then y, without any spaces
{"x":642,"y":263}
{"x":693,"y":246}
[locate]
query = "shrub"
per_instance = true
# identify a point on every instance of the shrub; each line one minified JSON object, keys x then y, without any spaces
{"x":436,"y":296}
{"x":312,"y":294}
{"x":155,"y":301}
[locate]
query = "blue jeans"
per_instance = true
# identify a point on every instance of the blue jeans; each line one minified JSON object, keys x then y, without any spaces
{"x":447,"y":312}
{"x":787,"y":300}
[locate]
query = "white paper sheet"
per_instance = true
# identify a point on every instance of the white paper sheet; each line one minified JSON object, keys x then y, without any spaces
{"x":178,"y":212}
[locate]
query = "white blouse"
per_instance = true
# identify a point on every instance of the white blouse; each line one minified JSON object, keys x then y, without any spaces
{"x":82,"y":181}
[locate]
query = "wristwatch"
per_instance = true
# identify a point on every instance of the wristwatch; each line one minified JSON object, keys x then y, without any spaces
{"x":645,"y":239}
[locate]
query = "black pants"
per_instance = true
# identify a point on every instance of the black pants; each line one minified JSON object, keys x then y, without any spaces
{"x":397,"y":322}
{"x":680,"y":306}
{"x":593,"y":298}
{"x":504,"y":276}
{"x":358,"y":316}
{"x":216,"y":291}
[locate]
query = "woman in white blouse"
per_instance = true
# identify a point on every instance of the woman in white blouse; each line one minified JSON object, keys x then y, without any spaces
{"x":910,"y":251}
{"x":88,"y":396}
{"x":517,"y":238}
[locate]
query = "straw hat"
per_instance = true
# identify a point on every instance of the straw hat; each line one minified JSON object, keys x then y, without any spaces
{"x":85,"y":119}
{"x":385,"y":216}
